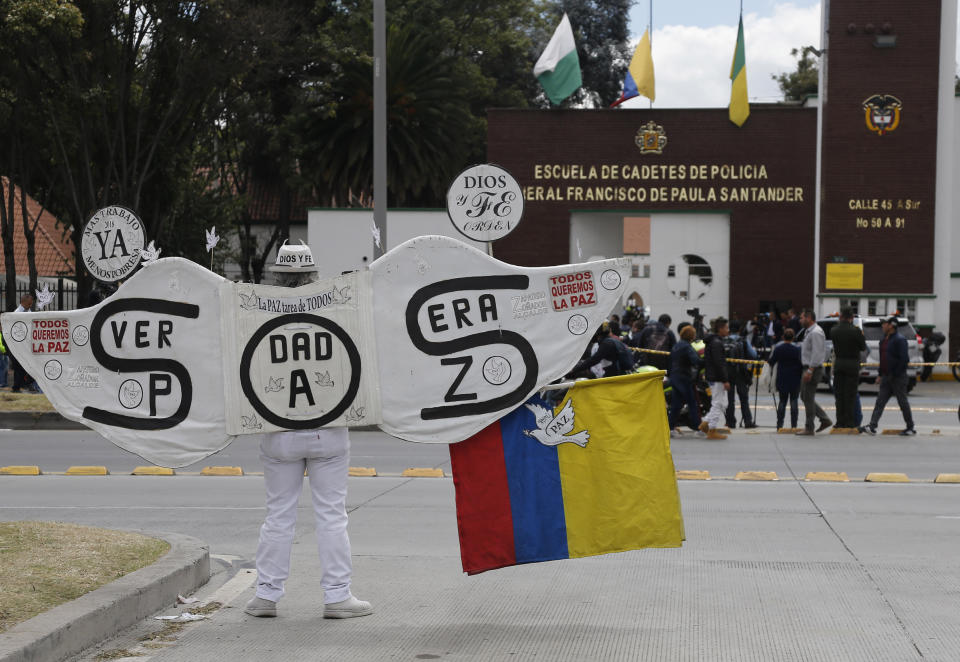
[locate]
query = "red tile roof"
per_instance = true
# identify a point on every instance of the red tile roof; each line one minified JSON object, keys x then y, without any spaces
{"x":53,"y":247}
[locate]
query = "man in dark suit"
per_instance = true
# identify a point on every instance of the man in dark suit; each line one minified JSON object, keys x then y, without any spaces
{"x":893,"y":377}
{"x":848,"y":343}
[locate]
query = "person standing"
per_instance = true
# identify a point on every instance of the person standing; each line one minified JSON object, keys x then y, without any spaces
{"x":786,"y":356}
{"x":715,"y":364}
{"x":741,"y":376}
{"x":658,"y":336}
{"x":812,"y":354}
{"x":684,"y":365}
{"x":848,"y":344}
{"x":892,"y":378}
{"x":324,"y":454}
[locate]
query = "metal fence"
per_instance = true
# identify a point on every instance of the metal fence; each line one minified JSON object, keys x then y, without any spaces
{"x":64,"y":291}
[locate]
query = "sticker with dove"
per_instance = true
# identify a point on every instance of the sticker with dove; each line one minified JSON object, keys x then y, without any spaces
{"x":556,"y":429}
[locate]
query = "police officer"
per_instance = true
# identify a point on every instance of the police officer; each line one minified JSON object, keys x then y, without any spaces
{"x":325,"y":455}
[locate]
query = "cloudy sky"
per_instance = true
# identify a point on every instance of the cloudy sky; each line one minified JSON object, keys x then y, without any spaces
{"x":693,"y":42}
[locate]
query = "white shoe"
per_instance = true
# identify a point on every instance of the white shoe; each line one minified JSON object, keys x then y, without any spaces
{"x":675,"y":433}
{"x":349,"y":608}
{"x":700,"y":434}
{"x":261,"y":607}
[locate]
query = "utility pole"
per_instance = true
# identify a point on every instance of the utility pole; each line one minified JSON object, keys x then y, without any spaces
{"x":380,"y":124}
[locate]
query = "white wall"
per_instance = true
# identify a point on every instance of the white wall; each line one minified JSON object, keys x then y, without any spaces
{"x":342,"y":239}
{"x":600,"y":235}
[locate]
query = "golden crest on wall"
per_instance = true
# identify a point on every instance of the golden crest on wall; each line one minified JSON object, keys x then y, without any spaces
{"x":651,"y":138}
{"x":882,"y":113}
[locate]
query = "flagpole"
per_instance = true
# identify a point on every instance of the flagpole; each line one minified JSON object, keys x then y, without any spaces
{"x":650,"y":33}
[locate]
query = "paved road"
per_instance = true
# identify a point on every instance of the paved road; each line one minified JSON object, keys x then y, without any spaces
{"x":770,"y":571}
{"x":785,"y":570}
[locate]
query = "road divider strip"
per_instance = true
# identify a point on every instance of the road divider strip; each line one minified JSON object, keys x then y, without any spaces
{"x":20,"y":470}
{"x":756,"y":475}
{"x":828,"y":476}
{"x":427,"y":472}
{"x":221,"y":471}
{"x":422,"y":472}
{"x":881,"y":477}
{"x":81,"y":470}
{"x":153,"y":471}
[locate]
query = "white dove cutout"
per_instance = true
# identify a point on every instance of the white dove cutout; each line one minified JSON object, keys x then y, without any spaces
{"x":44,"y":297}
{"x":432,"y":343}
{"x":552,"y":430}
{"x":212,"y":238}
{"x":149,"y":254}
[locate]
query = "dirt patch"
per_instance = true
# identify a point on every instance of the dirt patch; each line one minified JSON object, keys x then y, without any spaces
{"x":44,"y":564}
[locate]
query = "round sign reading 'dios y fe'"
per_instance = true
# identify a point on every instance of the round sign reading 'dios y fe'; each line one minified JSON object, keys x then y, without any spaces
{"x":111,"y":243}
{"x":485,"y":203}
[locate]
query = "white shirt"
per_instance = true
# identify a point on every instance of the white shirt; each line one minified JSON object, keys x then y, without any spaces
{"x":813,"y":351}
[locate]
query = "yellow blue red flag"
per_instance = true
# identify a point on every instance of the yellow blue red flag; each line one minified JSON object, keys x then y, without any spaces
{"x":592,"y":476}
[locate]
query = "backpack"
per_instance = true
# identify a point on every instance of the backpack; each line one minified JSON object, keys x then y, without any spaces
{"x":735,"y":348}
{"x":659,"y":339}
{"x":626,"y":357}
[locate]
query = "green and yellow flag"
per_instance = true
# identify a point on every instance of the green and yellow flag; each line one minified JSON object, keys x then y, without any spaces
{"x":739,"y":105}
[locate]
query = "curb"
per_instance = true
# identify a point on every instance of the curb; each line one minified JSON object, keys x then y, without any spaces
{"x":39,"y":420}
{"x":74,"y":626}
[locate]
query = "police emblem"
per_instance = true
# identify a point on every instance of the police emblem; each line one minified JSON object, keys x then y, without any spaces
{"x":882,"y":113}
{"x":651,"y":138}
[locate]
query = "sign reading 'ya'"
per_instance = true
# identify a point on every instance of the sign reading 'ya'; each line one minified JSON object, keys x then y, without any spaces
{"x":485,"y":202}
{"x":432,"y":343}
{"x":111,"y":243}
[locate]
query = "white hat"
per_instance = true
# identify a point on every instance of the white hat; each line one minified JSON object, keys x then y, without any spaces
{"x":294,"y":259}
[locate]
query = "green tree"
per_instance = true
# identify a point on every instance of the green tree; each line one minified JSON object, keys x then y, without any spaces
{"x":30,"y":31}
{"x":796,"y":85}
{"x":121,"y":105}
{"x":600,"y":31}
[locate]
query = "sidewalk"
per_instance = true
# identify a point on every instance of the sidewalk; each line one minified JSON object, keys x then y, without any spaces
{"x":770,"y":571}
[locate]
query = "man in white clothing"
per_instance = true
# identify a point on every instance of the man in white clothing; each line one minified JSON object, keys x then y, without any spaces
{"x":813,"y":352}
{"x":325,"y":455}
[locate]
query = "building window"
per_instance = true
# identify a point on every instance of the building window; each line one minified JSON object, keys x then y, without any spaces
{"x":876,"y":307}
{"x":853,"y":304}
{"x":672,"y":271}
{"x":907,"y":308}
{"x":640,"y":271}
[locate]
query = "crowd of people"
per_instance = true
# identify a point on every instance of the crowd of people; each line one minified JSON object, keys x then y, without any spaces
{"x":719,"y":365}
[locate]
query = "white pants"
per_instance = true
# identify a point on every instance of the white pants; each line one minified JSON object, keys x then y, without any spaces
{"x":325,"y":455}
{"x":717,"y":415}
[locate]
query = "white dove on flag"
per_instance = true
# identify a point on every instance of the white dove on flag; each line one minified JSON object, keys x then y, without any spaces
{"x":212,"y":238}
{"x":149,"y":254}
{"x":44,"y":297}
{"x":552,"y":430}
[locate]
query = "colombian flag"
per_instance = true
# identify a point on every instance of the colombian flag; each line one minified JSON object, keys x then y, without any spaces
{"x":593,"y":476}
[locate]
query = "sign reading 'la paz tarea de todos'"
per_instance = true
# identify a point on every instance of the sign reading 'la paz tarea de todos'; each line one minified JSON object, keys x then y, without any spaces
{"x":432,"y":343}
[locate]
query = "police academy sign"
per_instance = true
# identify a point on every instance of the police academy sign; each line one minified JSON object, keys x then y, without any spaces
{"x":111,"y":242}
{"x":432,"y":343}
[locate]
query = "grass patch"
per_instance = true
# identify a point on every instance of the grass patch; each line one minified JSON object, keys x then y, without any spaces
{"x":10,"y":401}
{"x":44,"y":564}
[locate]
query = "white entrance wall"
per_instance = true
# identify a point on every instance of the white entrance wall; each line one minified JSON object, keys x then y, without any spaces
{"x":672,"y":236}
{"x":342,"y":239}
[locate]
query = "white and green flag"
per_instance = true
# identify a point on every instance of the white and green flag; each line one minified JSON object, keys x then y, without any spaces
{"x":558,"y":68}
